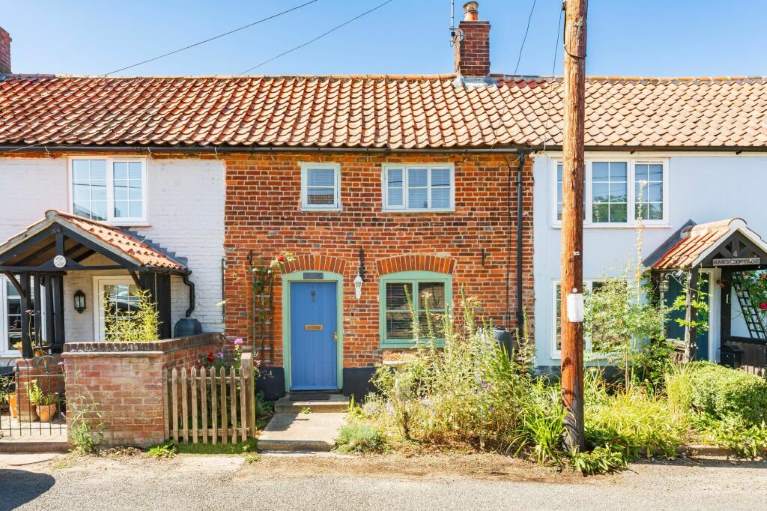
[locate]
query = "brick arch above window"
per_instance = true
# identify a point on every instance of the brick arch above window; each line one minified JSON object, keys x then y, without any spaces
{"x":312,"y":262}
{"x":415,"y":262}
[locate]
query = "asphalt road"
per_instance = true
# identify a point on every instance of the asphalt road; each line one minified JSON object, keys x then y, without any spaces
{"x":191,"y":483}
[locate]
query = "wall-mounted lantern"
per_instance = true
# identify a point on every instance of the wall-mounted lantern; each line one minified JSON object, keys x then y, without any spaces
{"x":79,"y":301}
{"x":357,"y":287}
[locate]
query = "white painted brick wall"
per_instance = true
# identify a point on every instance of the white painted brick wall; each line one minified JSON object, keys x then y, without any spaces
{"x":185,"y":212}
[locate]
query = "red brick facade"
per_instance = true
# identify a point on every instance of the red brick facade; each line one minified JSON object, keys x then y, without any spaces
{"x":123,"y":386}
{"x":263,"y":218}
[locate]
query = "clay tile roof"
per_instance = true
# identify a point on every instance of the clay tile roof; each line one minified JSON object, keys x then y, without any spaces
{"x":119,"y":241}
{"x":399,"y":112}
{"x":696,"y":241}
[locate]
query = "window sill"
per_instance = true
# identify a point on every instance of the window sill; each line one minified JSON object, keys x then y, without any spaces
{"x":408,"y":345}
{"x":417,"y":211}
{"x":304,"y":209}
{"x":558,"y":226}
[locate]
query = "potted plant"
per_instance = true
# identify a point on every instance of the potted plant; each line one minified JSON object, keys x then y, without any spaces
{"x":46,"y":407}
{"x":45,"y":404}
{"x":13,"y":404}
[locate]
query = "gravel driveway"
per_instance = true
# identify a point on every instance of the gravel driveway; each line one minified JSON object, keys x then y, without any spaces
{"x":468,"y":482}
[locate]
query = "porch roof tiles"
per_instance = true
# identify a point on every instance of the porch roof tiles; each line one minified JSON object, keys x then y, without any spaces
{"x":394,"y":112}
{"x":120,"y":241}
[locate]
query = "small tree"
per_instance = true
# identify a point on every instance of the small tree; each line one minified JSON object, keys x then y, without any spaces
{"x":137,"y":325}
{"x":618,"y":314}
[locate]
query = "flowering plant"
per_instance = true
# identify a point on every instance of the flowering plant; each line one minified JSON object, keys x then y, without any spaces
{"x":281,"y":260}
{"x":229,"y":356}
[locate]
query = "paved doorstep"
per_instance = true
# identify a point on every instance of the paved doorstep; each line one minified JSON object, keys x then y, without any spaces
{"x":301,"y":431}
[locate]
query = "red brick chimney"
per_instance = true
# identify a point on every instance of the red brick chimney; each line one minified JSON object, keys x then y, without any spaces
{"x":5,"y":52}
{"x":471,"y":48}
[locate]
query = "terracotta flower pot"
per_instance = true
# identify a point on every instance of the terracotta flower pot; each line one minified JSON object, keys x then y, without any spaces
{"x":46,"y":412}
{"x":13,"y":404}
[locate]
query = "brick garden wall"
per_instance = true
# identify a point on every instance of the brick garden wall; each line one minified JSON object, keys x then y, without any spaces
{"x":125,"y":383}
{"x":263,"y":218}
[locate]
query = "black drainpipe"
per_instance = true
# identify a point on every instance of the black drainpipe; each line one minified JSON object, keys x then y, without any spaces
{"x":520,"y":216}
{"x":190,"y":285}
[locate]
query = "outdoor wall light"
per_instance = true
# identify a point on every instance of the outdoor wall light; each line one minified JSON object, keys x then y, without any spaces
{"x":79,"y":301}
{"x":357,"y":286}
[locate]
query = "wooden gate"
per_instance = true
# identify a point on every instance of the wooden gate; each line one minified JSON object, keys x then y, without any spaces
{"x":209,"y":405}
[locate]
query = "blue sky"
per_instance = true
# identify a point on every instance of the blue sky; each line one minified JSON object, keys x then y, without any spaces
{"x":626,"y":37}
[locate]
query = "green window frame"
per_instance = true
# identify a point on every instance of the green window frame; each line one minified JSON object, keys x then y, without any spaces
{"x":418,"y":281}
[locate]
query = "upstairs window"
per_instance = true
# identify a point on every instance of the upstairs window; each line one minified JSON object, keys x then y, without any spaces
{"x":109,"y":190}
{"x":418,"y":188}
{"x":609,"y":192}
{"x":619,"y":193}
{"x":320,"y":186}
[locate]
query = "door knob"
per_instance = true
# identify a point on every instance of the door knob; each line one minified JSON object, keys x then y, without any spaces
{"x":335,"y":336}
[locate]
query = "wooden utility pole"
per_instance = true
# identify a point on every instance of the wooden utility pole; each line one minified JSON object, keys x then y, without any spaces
{"x":571,"y":279}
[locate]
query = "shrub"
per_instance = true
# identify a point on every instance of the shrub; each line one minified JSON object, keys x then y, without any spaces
{"x":359,"y":437}
{"x":746,"y":441}
{"x":602,"y":460}
{"x":720,"y":392}
{"x":165,"y":450}
{"x":632,"y":420}
{"x":138,"y":325}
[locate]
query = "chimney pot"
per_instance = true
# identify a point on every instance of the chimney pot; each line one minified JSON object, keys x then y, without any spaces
{"x":471,"y":11}
{"x":5,"y":52}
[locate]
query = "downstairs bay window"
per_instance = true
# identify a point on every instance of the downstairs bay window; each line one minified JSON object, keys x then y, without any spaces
{"x":405,"y":296}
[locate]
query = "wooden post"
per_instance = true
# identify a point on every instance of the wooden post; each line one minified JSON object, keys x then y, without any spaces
{"x":246,"y":367}
{"x":572,"y":216}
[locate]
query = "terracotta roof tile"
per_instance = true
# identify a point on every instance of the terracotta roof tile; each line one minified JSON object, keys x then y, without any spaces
{"x":377,"y":111}
{"x":694,"y":242}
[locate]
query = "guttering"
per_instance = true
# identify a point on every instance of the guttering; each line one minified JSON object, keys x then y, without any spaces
{"x":254,"y":149}
{"x":655,"y":148}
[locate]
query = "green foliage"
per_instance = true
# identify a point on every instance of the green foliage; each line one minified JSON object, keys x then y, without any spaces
{"x":602,"y":460}
{"x":699,"y":302}
{"x":755,"y":282}
{"x":85,"y":428}
{"x":139,"y":325}
{"x":617,"y":316}
{"x":652,"y":363}
{"x":746,"y":441}
{"x":37,"y":396}
{"x":252,"y":457}
{"x":359,"y":437}
{"x":468,"y":393}
{"x":264,"y":410}
{"x":720,"y":392}
{"x":165,"y":450}
{"x":632,"y":420}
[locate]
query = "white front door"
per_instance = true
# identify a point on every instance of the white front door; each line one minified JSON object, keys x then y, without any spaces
{"x":113,"y":295}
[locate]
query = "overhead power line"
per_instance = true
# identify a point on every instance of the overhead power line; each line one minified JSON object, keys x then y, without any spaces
{"x":317,"y":38}
{"x":556,"y":44}
{"x":218,"y":36}
{"x":524,"y":38}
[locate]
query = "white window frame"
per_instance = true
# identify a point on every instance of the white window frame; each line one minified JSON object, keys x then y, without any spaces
{"x":110,"y":161}
{"x":632,"y":221}
{"x":99,"y":332}
{"x":336,"y":168}
{"x":405,"y":166}
{"x":555,"y":352}
{"x":4,"y":341}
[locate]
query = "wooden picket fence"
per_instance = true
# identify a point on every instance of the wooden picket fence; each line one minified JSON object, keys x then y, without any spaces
{"x":210,"y":406}
{"x":755,"y":370}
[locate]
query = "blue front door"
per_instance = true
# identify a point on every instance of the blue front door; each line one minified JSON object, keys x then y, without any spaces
{"x":313,"y":355}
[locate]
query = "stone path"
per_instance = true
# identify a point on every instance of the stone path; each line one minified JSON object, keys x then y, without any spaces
{"x":304,"y":425}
